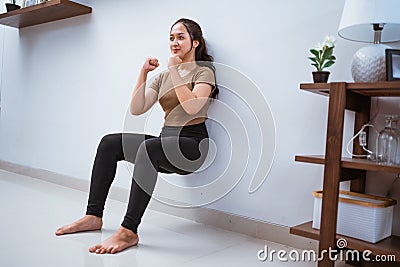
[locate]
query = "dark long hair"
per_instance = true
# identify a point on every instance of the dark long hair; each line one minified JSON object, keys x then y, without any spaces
{"x":201,"y":54}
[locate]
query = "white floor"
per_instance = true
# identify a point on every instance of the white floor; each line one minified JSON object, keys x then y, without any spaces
{"x":32,"y":209}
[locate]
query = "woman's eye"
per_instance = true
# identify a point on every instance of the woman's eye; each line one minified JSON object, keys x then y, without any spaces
{"x":172,"y":38}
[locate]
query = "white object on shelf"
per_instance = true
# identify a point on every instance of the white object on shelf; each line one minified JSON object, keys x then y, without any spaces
{"x":360,"y":216}
{"x":369,"y":64}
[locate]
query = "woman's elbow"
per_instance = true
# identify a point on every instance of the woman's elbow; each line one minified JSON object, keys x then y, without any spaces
{"x":194,"y":106}
{"x":135,"y":112}
{"x":191,"y":110}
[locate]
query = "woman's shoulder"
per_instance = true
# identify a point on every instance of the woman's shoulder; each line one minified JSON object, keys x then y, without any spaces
{"x":204,"y":71}
{"x":162,"y":76}
{"x":157,"y":80}
{"x":204,"y":74}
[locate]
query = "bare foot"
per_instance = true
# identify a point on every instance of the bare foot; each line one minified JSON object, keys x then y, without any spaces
{"x":87,"y":223}
{"x":122,"y":239}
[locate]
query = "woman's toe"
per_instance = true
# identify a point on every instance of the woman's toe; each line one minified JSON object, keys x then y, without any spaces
{"x":94,"y":248}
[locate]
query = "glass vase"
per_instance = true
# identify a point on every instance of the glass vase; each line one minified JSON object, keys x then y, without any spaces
{"x":388,"y":141}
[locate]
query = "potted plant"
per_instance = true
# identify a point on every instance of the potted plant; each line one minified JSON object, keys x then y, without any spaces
{"x":323,"y":58}
{"x":12,"y":6}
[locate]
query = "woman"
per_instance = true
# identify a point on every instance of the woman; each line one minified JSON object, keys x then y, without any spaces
{"x":184,"y":92}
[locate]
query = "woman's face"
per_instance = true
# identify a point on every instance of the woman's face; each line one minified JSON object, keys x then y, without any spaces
{"x":181,"y":44}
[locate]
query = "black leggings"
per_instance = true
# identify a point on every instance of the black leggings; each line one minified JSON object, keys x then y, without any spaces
{"x":176,"y":150}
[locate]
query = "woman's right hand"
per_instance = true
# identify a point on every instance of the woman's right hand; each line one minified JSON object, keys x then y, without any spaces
{"x":150,"y":64}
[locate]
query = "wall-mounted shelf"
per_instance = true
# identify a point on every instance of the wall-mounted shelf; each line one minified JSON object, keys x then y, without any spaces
{"x":351,"y":163}
{"x":41,"y":13}
{"x":365,"y":89}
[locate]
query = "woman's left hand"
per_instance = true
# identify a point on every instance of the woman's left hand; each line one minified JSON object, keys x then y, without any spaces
{"x":174,"y":61}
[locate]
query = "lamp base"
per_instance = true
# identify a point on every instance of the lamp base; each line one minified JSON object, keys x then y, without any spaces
{"x":369,"y":64}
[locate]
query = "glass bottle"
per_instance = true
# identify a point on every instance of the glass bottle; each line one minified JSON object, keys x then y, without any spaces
{"x":398,"y":148}
{"x":388,"y":141}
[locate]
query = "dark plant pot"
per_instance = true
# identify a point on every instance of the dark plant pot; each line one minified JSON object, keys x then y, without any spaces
{"x":320,"y":76}
{"x":11,"y":7}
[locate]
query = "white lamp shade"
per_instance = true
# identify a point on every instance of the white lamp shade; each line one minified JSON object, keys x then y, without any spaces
{"x":359,"y":15}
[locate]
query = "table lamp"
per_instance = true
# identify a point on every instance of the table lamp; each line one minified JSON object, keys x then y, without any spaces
{"x":370,"y":21}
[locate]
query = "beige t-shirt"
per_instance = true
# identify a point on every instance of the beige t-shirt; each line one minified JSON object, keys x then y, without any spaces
{"x":175,"y":115}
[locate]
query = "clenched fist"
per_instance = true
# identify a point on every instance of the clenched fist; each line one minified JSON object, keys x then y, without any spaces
{"x":174,"y":61}
{"x":150,"y":64}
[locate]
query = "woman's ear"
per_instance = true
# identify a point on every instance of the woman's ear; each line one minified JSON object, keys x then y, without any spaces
{"x":196,"y":43}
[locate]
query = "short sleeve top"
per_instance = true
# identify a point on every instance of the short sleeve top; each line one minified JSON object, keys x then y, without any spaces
{"x":175,"y":115}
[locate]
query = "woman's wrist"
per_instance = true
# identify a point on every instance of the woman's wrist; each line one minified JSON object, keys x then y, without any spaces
{"x":173,"y":69}
{"x":144,"y":71}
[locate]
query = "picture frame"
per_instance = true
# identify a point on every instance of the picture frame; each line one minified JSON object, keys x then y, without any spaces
{"x":392,"y":64}
{"x":27,"y":3}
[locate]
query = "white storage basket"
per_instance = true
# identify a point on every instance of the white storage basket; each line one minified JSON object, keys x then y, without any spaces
{"x":360,"y":216}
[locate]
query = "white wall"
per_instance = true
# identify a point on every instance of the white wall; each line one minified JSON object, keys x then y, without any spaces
{"x":67,"y":83}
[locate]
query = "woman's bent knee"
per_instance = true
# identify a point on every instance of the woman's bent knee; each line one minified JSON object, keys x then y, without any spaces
{"x":110,"y":142}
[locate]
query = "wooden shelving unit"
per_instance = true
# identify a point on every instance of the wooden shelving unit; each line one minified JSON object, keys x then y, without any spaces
{"x":355,"y":97}
{"x":42,"y":13}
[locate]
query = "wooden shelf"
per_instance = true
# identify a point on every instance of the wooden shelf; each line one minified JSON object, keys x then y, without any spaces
{"x":351,"y":163}
{"x":388,"y":246}
{"x":42,"y":13}
{"x":367,"y":89}
{"x":355,"y":97}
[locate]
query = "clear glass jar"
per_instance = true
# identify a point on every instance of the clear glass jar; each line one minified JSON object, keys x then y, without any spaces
{"x":388,"y":141}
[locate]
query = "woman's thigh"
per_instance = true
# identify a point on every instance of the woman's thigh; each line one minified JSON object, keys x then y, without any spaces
{"x":130,"y":144}
{"x":178,"y":155}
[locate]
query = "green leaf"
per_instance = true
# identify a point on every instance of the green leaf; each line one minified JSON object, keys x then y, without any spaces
{"x":315,"y":53}
{"x":313,"y":59}
{"x":327,"y":53}
{"x":328,"y":64}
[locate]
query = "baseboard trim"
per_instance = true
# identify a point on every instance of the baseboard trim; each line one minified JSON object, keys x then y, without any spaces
{"x":231,"y":222}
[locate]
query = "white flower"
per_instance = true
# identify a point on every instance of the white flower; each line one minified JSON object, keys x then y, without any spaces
{"x":319,"y":46}
{"x":330,"y":41}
